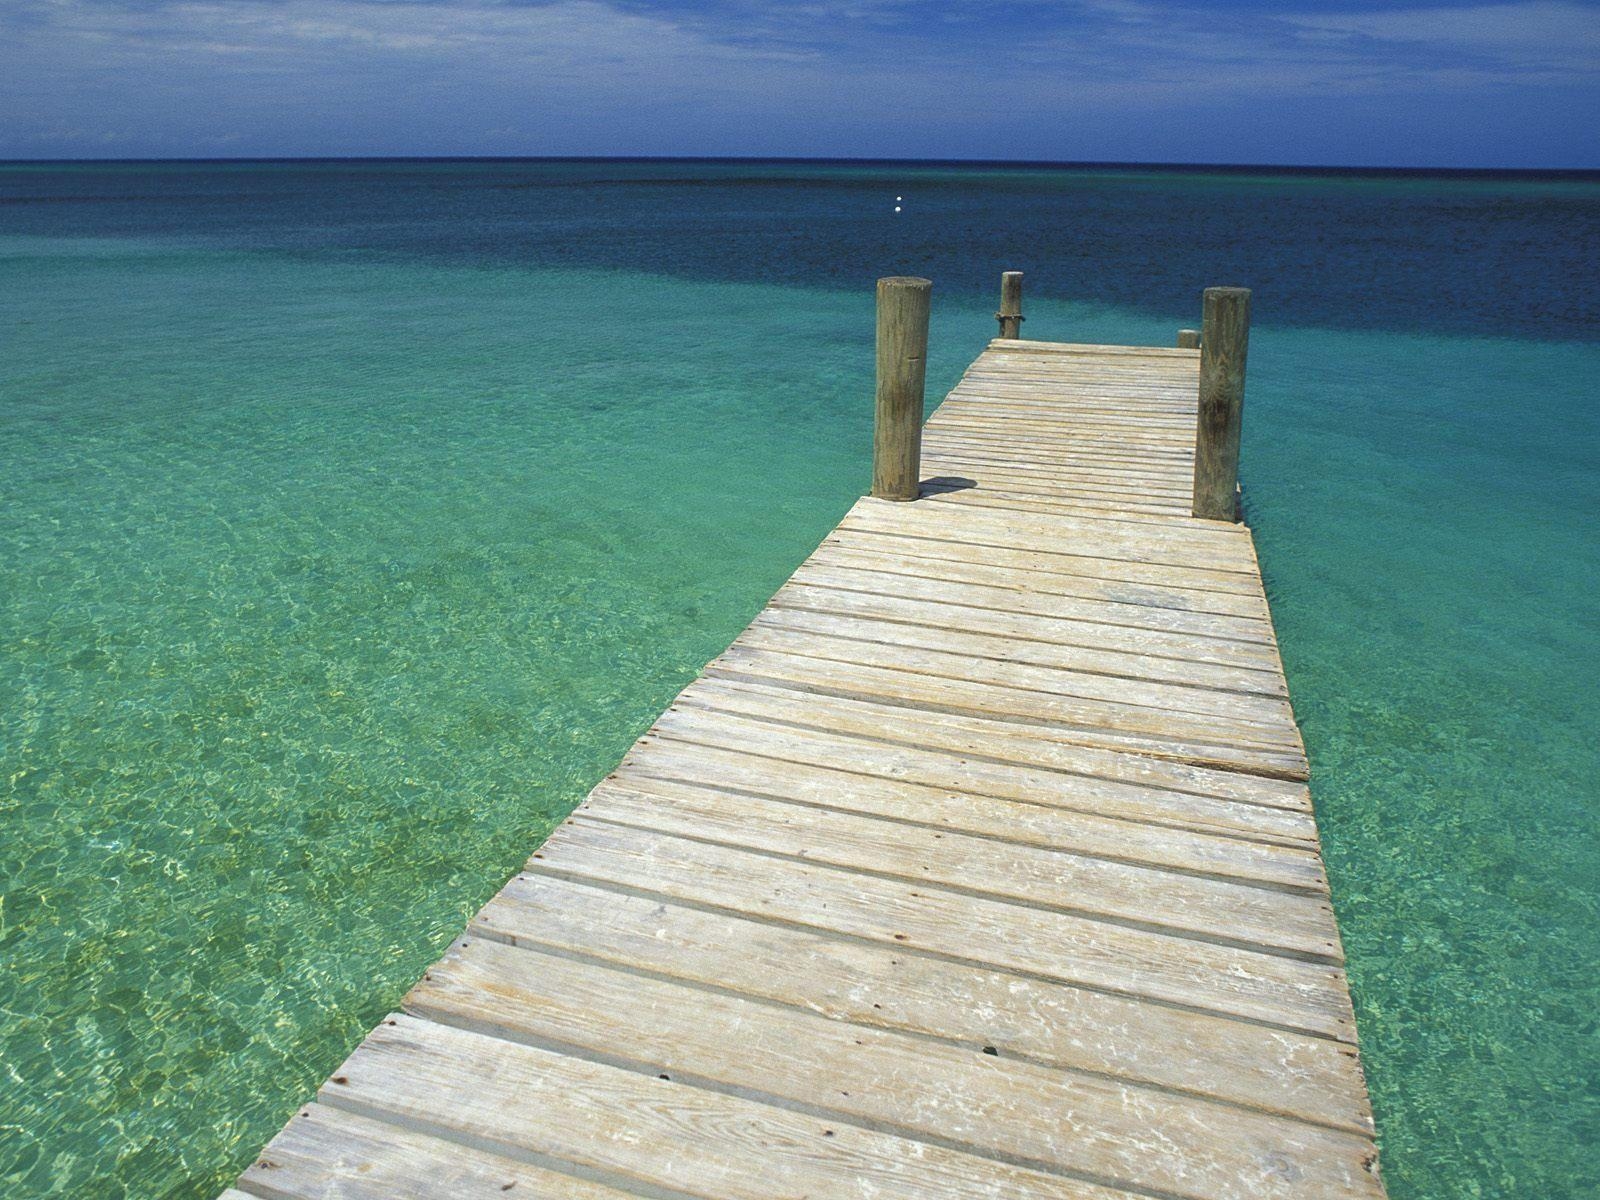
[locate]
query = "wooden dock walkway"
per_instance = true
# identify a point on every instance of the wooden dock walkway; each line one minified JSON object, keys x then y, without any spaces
{"x":982,"y":864}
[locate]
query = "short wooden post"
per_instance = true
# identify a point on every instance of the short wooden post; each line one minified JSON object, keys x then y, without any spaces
{"x":1188,"y":339}
{"x":1010,"y":314}
{"x":903,"y":303}
{"x":1224,"y":339}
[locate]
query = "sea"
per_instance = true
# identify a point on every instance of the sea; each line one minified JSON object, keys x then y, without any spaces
{"x":355,"y":516}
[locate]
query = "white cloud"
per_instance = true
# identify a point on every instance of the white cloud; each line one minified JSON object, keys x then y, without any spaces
{"x":630,"y":76}
{"x":1542,"y":35}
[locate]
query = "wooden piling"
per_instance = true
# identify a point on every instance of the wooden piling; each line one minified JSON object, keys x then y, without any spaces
{"x":1010,"y":314}
{"x":903,"y":304}
{"x":1224,"y":339}
{"x":1188,"y":339}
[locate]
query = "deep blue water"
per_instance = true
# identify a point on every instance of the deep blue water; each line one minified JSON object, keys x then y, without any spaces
{"x":356,"y":516}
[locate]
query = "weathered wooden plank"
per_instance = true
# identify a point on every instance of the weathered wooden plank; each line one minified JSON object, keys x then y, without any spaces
{"x":1140,"y":393}
{"x":688,"y":768}
{"x":1068,"y":374}
{"x":970,"y":485}
{"x":970,"y":418}
{"x":679,"y":1139}
{"x":1063,"y":442}
{"x":1129,"y":393}
{"x":1128,"y":498}
{"x":1021,"y":571}
{"x":1044,"y":426}
{"x":1139,"y":399}
{"x":1051,"y":557}
{"x":1135,"y":495}
{"x":1129,"y":449}
{"x":1076,"y":671}
{"x":1020,"y":409}
{"x":1048,"y":475}
{"x":1120,"y":625}
{"x":1076,"y":352}
{"x":1063,"y":421}
{"x":994,"y":416}
{"x":1215,"y":547}
{"x":1088,"y":350}
{"x":1160,"y":468}
{"x":1157,"y":454}
{"x":1116,"y":617}
{"x":1063,"y":466}
{"x":1046,"y":403}
{"x":1027,"y":405}
{"x":1227,"y":911}
{"x":1083,"y":465}
{"x":1011,"y":691}
{"x":1048,"y":570}
{"x":1095,"y":723}
{"x":967,"y":492}
{"x":954,"y":653}
{"x":1031,"y":638}
{"x":917,"y":1087}
{"x":962,"y":488}
{"x":327,"y":1153}
{"x":1198,"y":833}
{"x":1309,"y":1078}
{"x":977,"y":739}
{"x":1284,"y":993}
{"x":1082,"y":369}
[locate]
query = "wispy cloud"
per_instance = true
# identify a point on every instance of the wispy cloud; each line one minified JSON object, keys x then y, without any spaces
{"x":673,"y":76}
{"x":1546,"y":36}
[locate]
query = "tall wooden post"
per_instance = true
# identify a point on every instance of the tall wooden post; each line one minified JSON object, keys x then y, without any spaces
{"x":1224,"y":339}
{"x":903,"y":303}
{"x":1010,"y":314}
{"x":1188,"y":339}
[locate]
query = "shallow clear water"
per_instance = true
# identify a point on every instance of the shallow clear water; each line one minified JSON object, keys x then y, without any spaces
{"x":356,"y":517}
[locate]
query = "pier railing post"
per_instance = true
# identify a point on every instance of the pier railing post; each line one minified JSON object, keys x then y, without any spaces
{"x":1188,"y":339}
{"x":1224,"y":339}
{"x":1010,"y":314}
{"x":903,"y":303}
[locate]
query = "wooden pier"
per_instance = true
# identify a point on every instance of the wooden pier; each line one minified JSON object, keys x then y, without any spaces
{"x":982,"y":864}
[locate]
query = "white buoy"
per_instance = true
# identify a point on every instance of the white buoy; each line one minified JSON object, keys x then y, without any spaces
{"x":897,"y":208}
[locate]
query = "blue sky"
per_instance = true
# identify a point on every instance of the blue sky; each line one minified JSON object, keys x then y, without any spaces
{"x":1338,"y":82}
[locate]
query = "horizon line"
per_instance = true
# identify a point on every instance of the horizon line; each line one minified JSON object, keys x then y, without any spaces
{"x":1102,"y":164}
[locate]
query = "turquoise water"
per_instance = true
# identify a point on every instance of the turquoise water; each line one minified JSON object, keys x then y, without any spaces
{"x":356,"y":518}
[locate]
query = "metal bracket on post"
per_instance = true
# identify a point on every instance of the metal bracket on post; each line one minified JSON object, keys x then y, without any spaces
{"x":1010,"y":314}
{"x":1224,"y":341}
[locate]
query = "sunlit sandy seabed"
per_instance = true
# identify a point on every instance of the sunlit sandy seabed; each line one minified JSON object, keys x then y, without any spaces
{"x":355,"y":519}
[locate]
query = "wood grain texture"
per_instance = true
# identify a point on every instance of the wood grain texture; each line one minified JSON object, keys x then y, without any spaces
{"x":1224,"y":341}
{"x":974,"y":1006}
{"x":1010,"y":312}
{"x":327,"y":1153}
{"x":954,"y":1096}
{"x":660,"y":1136}
{"x":1248,"y":984}
{"x":981,"y":864}
{"x":903,"y":305}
